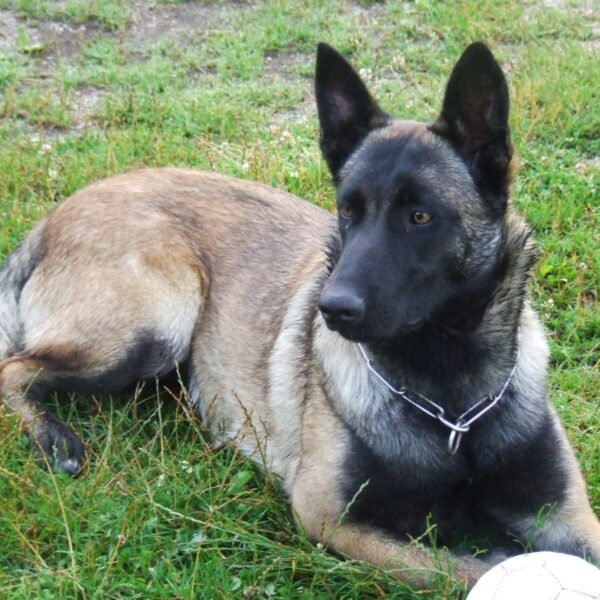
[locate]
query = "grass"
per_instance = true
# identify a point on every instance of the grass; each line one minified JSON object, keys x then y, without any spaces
{"x":160,"y":513}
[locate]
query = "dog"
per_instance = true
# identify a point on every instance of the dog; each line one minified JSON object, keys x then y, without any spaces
{"x":385,"y":364}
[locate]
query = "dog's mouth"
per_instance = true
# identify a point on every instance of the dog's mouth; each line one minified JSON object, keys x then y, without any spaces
{"x":363,"y":332}
{"x":411,"y":325}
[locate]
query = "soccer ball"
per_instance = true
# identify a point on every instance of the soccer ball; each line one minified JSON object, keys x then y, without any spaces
{"x":539,"y":576}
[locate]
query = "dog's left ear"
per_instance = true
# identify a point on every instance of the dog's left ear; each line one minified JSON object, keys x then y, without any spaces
{"x":474,"y":119}
{"x":347,"y":111}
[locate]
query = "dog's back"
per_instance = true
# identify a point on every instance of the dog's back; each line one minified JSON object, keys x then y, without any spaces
{"x":143,"y":272}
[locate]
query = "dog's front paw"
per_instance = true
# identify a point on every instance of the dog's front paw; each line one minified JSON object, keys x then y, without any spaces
{"x":59,"y":446}
{"x":496,"y":556}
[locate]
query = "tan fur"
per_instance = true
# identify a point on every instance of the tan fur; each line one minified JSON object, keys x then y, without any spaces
{"x":178,"y":270}
{"x":15,"y":374}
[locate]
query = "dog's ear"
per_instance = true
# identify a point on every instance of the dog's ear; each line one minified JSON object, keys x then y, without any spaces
{"x":347,"y":112}
{"x":474,"y":119}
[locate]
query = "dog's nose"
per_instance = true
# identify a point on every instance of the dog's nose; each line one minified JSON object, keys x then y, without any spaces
{"x":341,"y":307}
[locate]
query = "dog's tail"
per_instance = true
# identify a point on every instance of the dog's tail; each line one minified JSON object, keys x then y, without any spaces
{"x":13,"y":276}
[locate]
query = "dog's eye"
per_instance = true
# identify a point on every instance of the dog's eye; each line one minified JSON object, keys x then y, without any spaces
{"x":420,"y":218}
{"x":346,"y":212}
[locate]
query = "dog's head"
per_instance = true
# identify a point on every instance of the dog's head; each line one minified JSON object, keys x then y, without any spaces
{"x":420,"y":207}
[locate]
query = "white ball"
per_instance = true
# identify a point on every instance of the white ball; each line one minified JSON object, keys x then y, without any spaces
{"x":539,"y":576}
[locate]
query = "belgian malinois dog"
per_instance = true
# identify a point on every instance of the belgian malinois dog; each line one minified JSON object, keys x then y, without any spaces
{"x":387,"y":365}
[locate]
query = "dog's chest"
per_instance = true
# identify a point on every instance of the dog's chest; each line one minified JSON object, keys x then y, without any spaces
{"x":463,"y":493}
{"x":399,"y":494}
{"x":402,"y":493}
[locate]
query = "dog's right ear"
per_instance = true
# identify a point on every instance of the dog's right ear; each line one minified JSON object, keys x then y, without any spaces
{"x":347,"y":112}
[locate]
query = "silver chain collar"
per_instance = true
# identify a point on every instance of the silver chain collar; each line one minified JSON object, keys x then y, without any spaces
{"x":463,"y":423}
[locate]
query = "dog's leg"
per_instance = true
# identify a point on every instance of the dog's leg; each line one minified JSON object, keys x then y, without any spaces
{"x":415,"y":565}
{"x":71,"y":354}
{"x":93,"y":318}
{"x":21,"y":385}
{"x":566,"y":525}
{"x":319,"y":507}
{"x":409,"y":562}
{"x":113,"y":363}
{"x":572,"y":526}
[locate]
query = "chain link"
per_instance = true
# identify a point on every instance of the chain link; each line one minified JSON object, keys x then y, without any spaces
{"x":463,"y":423}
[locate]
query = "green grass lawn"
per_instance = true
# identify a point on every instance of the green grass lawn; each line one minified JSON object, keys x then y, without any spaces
{"x":89,"y":88}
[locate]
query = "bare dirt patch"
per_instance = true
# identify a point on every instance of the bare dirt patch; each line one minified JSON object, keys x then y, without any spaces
{"x":285,"y":64}
{"x":8,"y":29}
{"x":47,"y":40}
{"x":52,"y":41}
{"x":84,"y":103}
{"x":180,"y":23}
{"x":58,"y":40}
{"x":51,"y":38}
